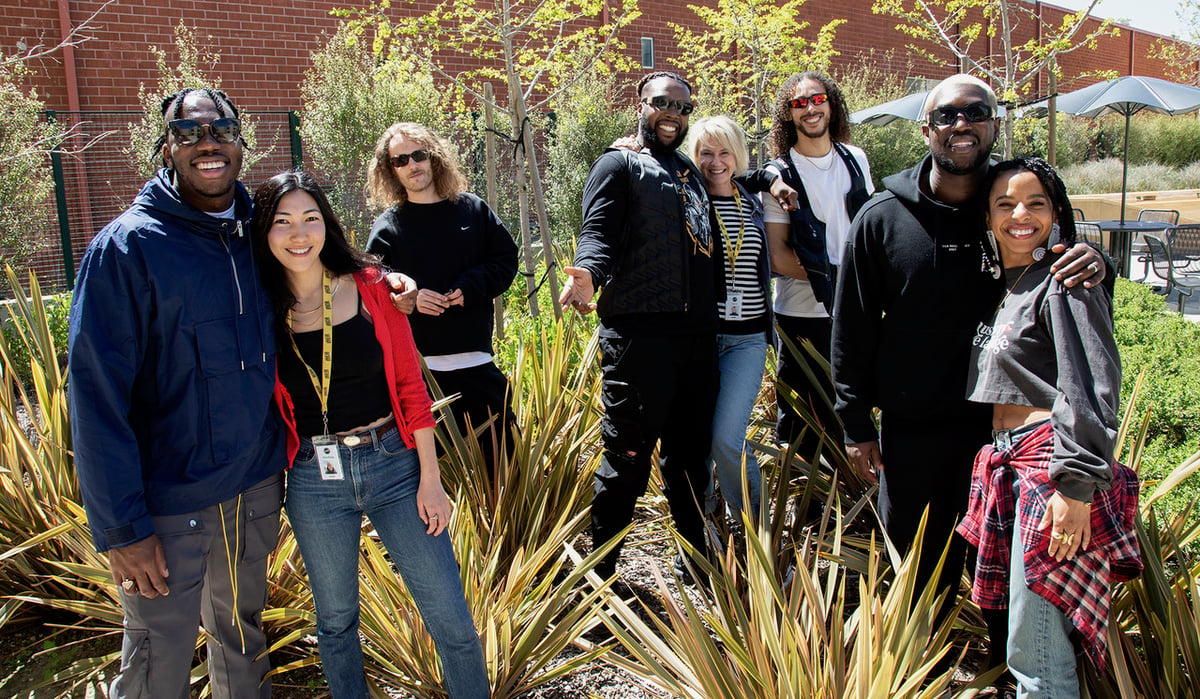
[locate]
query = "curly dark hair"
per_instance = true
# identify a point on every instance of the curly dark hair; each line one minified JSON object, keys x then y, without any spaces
{"x":337,"y":254}
{"x":1064,"y":215}
{"x":172,"y":108}
{"x":783,"y":132}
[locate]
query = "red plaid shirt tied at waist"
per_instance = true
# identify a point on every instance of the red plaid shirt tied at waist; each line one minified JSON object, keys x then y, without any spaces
{"x":1081,"y":587}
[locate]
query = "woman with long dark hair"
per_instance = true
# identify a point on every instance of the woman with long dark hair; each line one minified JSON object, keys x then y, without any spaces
{"x":360,"y":436}
{"x":1050,"y":510}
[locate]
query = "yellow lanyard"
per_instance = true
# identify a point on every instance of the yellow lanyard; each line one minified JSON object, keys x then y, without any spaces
{"x":731,"y":252}
{"x":321,"y":384}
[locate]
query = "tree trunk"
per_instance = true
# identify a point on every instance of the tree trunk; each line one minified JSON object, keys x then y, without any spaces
{"x":489,"y":151}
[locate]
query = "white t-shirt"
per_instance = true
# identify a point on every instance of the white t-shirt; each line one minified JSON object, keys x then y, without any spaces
{"x":826,"y":181}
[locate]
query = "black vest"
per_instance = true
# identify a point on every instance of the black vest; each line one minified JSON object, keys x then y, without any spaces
{"x":806,"y":234}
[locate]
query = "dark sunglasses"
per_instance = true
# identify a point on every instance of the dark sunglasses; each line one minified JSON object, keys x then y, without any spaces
{"x":189,"y":132}
{"x":401,"y":160}
{"x":663,"y":103}
{"x":976,"y":113}
{"x":802,"y":102}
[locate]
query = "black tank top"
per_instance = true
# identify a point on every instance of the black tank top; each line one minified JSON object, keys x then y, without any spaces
{"x":358,"y":394}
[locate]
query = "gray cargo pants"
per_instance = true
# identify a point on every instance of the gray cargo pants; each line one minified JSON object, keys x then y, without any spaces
{"x":217,"y":563}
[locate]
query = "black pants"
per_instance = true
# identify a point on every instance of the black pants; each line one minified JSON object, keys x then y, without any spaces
{"x":655,"y":388}
{"x":483,"y":391}
{"x":792,"y":429}
{"x":927,"y":462}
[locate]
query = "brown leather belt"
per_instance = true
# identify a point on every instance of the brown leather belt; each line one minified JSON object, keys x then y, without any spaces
{"x":367,"y":436}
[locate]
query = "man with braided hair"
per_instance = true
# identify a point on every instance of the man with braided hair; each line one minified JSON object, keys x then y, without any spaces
{"x":647,"y":243}
{"x":178,"y":445}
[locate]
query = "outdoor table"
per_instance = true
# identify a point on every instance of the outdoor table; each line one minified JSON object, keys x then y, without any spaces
{"x":1120,"y":240}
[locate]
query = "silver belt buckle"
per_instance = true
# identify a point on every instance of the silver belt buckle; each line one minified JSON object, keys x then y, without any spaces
{"x":352,"y":440}
{"x":1002,"y":439}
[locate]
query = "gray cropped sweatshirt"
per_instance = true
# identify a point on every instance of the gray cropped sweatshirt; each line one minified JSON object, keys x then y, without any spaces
{"x":1052,"y":347}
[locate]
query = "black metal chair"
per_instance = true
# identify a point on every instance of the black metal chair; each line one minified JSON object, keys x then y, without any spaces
{"x":1078,"y":213}
{"x":1088,"y":232}
{"x":1138,"y":245}
{"x":1178,"y":279}
{"x":1170,"y":216}
{"x":1184,"y":243}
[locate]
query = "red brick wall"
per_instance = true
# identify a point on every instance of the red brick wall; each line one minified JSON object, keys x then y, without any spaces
{"x":265,"y":45}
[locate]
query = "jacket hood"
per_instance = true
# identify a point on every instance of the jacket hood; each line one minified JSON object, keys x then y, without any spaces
{"x":160,"y":196}
{"x":906,"y":184}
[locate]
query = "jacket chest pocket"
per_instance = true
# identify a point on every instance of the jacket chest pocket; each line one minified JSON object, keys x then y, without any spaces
{"x":231,"y":359}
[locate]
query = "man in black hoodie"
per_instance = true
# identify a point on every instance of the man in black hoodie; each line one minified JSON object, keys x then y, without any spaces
{"x":912,"y":287}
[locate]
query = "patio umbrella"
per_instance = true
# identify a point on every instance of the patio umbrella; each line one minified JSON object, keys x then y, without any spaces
{"x":907,"y":107}
{"x":1130,"y":95}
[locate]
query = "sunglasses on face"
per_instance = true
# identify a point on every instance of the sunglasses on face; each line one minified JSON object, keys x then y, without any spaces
{"x":976,"y":113}
{"x":401,"y":160}
{"x":189,"y":132}
{"x":662,"y":103}
{"x":802,"y":102}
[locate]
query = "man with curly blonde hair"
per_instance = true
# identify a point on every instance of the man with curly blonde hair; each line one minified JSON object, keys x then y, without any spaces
{"x":461,"y":257}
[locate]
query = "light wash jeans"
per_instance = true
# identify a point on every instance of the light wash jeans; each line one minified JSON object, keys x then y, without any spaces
{"x":1041,"y":655}
{"x":381,"y":482}
{"x":740,"y":359}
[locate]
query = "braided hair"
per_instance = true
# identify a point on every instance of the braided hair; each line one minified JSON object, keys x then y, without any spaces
{"x":172,"y":108}
{"x":1052,"y":184}
{"x":783,"y":132}
{"x":663,"y":74}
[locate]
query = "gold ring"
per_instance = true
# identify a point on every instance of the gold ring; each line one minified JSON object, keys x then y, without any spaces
{"x":1057,"y":535}
{"x":1068,"y":538}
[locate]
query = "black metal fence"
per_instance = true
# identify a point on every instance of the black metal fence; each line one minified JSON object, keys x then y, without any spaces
{"x":93,"y":186}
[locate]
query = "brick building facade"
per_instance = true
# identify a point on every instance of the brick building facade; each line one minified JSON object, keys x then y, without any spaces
{"x":265,"y":48}
{"x":265,"y":45}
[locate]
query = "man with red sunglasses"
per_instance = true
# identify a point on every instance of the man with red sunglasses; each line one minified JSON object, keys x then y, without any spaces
{"x":811,"y":145}
{"x":178,"y":445}
{"x":461,"y":257}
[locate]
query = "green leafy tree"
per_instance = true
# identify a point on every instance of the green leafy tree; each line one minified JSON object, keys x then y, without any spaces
{"x":941,"y":27}
{"x":1182,"y":57}
{"x":196,"y":68}
{"x":535,"y":49}
{"x":350,"y":98}
{"x":25,"y":178}
{"x":748,"y":49}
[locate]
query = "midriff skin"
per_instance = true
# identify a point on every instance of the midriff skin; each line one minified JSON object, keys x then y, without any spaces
{"x":1010,"y":417}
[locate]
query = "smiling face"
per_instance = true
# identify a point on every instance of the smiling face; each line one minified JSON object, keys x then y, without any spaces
{"x":1021,"y":216}
{"x":297,"y":234}
{"x":663,"y":129}
{"x":962,"y":148}
{"x":812,"y":121}
{"x":717,"y":164}
{"x":206,"y":171}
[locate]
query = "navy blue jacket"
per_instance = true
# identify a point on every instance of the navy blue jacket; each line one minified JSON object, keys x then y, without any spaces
{"x":172,"y":366}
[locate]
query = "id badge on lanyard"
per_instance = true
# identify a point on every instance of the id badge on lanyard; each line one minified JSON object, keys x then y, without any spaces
{"x":326,"y":445}
{"x":328,"y":459}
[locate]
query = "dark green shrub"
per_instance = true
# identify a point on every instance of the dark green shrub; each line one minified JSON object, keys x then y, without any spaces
{"x":1164,"y":345}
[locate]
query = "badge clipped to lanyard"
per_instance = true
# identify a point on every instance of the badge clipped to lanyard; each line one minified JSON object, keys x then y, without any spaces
{"x":326,"y":446}
{"x":734,"y":298}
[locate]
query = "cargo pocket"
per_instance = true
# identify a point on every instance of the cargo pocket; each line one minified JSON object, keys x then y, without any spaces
{"x":134,"y":680}
{"x":262,"y":504}
{"x":185,"y":546}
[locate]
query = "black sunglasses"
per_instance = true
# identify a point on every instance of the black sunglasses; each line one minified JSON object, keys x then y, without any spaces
{"x":802,"y":102}
{"x":189,"y":132}
{"x":976,"y":113}
{"x":401,"y":160}
{"x":663,"y":103}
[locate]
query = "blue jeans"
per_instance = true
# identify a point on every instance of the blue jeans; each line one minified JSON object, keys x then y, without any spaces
{"x":1041,"y":655}
{"x":740,"y":359}
{"x":381,"y":479}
